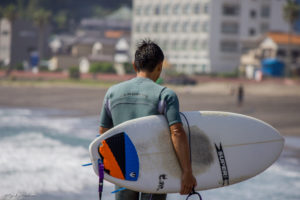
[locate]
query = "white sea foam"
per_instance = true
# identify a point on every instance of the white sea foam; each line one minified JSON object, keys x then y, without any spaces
{"x":33,"y":163}
{"x":79,"y":127}
{"x":293,"y":142}
{"x":15,"y":112}
{"x":285,"y":173}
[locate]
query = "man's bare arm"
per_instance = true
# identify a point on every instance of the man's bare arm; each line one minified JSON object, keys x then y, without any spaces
{"x":181,"y":148}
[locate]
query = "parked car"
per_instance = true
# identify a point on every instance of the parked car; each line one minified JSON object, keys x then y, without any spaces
{"x":181,"y":80}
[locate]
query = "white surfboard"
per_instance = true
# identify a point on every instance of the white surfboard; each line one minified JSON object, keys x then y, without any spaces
{"x":226,"y":148}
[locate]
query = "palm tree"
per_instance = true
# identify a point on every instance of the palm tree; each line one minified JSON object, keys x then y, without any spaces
{"x":1,"y":15}
{"x":41,"y":19}
{"x":10,"y":13}
{"x":291,"y":14}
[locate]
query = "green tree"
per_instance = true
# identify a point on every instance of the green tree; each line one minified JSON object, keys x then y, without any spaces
{"x":74,"y":72}
{"x":291,"y":12}
{"x":102,"y":67}
{"x":10,"y":13}
{"x":1,"y":16}
{"x":31,"y":8}
{"x":61,"y":19}
{"x":1,"y":12}
{"x":128,"y":67}
{"x":21,"y":9}
{"x":99,"y":11}
{"x":41,"y":18}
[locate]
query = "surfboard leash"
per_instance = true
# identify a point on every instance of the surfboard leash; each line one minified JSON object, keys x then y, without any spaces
{"x":194,"y":193}
{"x":190,"y":148}
{"x":101,"y":177}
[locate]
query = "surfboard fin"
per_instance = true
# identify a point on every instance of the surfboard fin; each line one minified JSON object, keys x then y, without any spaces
{"x":87,"y":164}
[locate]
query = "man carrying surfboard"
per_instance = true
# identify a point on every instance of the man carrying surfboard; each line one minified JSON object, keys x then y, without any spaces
{"x":140,"y":97}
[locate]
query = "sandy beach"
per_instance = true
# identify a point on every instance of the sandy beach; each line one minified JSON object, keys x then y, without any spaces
{"x":275,"y":103}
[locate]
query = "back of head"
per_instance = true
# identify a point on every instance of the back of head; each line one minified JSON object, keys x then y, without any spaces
{"x":147,"y":56}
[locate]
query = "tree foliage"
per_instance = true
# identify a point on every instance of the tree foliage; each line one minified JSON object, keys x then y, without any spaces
{"x":128,"y":67}
{"x":77,"y":9}
{"x":102,"y":67}
{"x":41,"y":17}
{"x":291,"y":12}
{"x":10,"y":12}
{"x":74,"y":72}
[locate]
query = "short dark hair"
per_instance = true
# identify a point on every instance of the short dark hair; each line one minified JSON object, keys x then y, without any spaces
{"x":148,"y":55}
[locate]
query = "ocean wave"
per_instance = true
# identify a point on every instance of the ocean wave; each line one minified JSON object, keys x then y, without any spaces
{"x":33,"y":163}
{"x":23,"y":118}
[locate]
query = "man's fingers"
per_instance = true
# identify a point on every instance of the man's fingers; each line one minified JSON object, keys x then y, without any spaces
{"x":186,"y":189}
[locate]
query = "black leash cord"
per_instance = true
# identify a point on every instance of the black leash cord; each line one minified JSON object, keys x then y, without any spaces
{"x":190,"y":148}
{"x":193,"y":193}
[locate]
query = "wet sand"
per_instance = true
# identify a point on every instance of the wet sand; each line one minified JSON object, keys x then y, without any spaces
{"x":274,"y":103}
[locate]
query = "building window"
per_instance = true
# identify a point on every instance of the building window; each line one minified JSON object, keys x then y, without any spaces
{"x":166,"y":9}
{"x":156,"y":27}
{"x":205,"y":27}
{"x":252,"y":14}
{"x":176,"y":9}
{"x":165,"y":27}
{"x":147,"y":28}
{"x":265,"y":11}
{"x":206,"y":8}
{"x":230,"y":27}
{"x":281,"y":53}
{"x":197,"y":8}
{"x":165,"y":44}
{"x":5,"y":32}
{"x":264,"y":27}
{"x":295,"y":55}
{"x":229,"y":46}
{"x":267,"y":53}
{"x":231,"y":10}
{"x":195,"y":45}
{"x":204,"y":44}
{"x":184,"y":44}
{"x":185,"y":27}
{"x":196,"y":27}
{"x":175,"y":27}
{"x":204,"y":68}
{"x":157,"y":10}
{"x":252,"y":32}
{"x":138,"y":28}
{"x":175,"y":45}
{"x":186,"y":9}
{"x":138,"y":10}
{"x":148,"y":10}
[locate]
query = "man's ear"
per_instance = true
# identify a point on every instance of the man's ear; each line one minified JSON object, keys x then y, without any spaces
{"x":160,"y":66}
{"x":134,"y":67}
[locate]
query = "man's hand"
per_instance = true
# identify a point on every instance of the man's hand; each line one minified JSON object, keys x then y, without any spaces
{"x":181,"y":148}
{"x":188,"y":182}
{"x":102,"y":130}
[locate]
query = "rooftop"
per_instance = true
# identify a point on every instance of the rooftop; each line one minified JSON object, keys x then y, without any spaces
{"x":283,"y":38}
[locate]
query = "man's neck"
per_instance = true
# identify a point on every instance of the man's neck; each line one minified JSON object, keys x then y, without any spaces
{"x":148,"y":75}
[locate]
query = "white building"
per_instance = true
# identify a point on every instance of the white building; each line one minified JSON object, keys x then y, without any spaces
{"x":205,"y":35}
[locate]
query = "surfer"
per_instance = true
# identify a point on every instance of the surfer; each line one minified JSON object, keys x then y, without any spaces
{"x":140,"y":97}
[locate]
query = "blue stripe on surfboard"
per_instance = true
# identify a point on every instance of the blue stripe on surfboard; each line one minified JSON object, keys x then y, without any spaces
{"x":132,"y":160}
